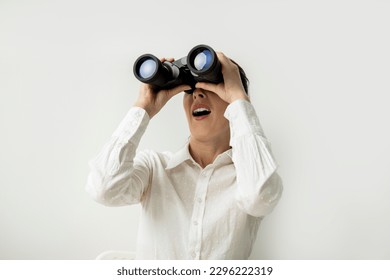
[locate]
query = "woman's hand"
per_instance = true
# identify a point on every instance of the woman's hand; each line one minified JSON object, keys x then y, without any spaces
{"x":231,"y":89}
{"x":152,"y":101}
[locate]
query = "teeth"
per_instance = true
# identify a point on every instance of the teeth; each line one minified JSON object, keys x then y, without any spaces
{"x":200,"y":110}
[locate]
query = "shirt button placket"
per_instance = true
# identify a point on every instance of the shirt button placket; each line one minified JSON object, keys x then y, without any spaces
{"x":198,"y":212}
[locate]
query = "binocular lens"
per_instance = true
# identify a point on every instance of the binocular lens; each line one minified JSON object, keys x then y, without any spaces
{"x":147,"y":68}
{"x":203,"y":60}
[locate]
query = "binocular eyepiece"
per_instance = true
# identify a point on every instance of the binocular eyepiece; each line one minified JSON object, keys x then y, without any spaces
{"x":200,"y":65}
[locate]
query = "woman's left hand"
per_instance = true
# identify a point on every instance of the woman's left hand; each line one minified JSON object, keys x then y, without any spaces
{"x":231,"y":89}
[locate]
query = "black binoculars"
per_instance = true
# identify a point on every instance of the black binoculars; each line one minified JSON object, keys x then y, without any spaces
{"x":200,"y":65}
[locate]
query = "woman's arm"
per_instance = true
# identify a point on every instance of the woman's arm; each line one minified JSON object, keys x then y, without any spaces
{"x":259,"y":187}
{"x":116,"y":176}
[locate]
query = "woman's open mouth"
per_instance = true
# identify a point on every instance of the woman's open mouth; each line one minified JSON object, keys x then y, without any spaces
{"x":201,"y":111}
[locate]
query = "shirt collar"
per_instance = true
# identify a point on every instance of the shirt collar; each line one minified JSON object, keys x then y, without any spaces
{"x":184,"y":154}
{"x":179,"y":157}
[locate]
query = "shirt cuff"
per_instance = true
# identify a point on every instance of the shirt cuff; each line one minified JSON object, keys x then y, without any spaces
{"x":133,"y":126}
{"x":243,"y":119}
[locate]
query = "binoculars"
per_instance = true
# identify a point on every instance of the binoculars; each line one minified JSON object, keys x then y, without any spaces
{"x":200,"y":65}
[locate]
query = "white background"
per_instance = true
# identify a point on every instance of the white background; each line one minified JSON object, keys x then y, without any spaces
{"x":319,"y":73}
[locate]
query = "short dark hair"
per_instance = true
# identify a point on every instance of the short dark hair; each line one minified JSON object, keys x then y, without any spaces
{"x":244,"y":78}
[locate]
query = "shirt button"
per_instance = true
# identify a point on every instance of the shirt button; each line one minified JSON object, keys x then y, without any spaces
{"x":199,"y":200}
{"x":194,"y":255}
{"x":195,"y":223}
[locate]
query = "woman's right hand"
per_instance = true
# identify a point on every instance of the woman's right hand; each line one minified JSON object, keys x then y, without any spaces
{"x":152,"y":101}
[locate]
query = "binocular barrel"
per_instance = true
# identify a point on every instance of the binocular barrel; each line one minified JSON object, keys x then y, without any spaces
{"x":200,"y":65}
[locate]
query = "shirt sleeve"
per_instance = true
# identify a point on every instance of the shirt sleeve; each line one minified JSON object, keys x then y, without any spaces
{"x":116,"y":176}
{"x":259,"y":187}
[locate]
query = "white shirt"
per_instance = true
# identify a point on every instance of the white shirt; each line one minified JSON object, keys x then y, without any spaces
{"x":189,"y":212}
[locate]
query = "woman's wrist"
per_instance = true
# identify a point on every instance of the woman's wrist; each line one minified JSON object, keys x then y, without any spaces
{"x":148,"y":110}
{"x":239,"y":96}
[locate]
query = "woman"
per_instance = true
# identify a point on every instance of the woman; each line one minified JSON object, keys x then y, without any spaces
{"x":205,"y":201}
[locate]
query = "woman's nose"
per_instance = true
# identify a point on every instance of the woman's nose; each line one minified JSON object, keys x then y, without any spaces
{"x":198,"y":93}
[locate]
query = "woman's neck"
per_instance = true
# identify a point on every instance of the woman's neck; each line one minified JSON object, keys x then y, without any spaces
{"x":205,"y":152}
